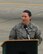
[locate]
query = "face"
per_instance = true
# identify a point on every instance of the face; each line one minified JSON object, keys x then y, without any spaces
{"x":25,"y":18}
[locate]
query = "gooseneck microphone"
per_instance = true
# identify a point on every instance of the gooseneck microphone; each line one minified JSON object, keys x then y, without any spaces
{"x":26,"y":29}
{"x":25,"y":26}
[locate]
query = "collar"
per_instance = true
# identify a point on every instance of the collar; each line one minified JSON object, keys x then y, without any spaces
{"x":28,"y":26}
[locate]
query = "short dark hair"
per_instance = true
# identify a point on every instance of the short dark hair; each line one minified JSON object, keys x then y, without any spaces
{"x":27,"y":11}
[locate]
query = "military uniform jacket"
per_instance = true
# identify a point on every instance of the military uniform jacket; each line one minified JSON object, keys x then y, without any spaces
{"x":19,"y":32}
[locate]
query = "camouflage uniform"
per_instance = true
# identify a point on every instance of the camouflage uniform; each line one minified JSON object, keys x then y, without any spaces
{"x":18,"y":32}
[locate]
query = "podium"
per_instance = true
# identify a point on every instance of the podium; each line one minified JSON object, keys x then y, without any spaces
{"x":20,"y":46}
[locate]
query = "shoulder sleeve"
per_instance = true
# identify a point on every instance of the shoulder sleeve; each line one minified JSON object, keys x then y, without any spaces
{"x":38,"y":35}
{"x":13,"y":35}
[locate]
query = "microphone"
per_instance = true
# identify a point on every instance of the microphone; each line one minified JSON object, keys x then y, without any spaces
{"x":25,"y":26}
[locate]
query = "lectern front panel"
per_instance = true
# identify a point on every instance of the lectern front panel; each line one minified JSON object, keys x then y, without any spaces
{"x":21,"y":47}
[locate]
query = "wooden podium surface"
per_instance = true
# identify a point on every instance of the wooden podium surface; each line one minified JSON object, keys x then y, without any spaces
{"x":23,"y":46}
